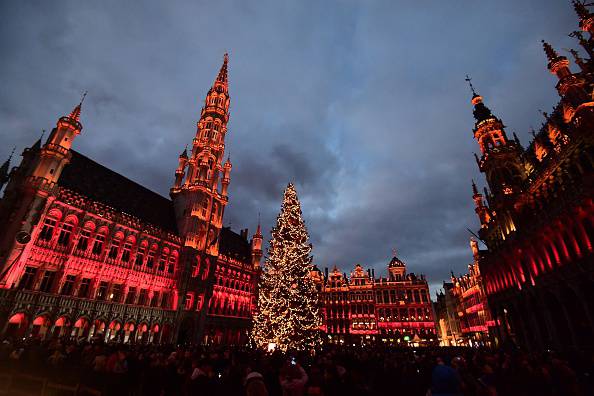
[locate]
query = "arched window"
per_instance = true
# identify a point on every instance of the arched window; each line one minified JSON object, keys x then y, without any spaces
{"x":99,"y":241}
{"x":49,"y":225}
{"x":66,"y":231}
{"x":127,"y":249}
{"x":139,"y":261}
{"x":163,"y":260}
{"x":114,"y":247}
{"x":172,"y":262}
{"x":85,"y":236}
{"x":150,"y":260}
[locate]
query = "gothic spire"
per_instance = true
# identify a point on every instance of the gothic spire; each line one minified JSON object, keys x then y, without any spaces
{"x":259,"y":229}
{"x":581,"y":9}
{"x":552,"y":55}
{"x":469,"y":80}
{"x":4,"y":170}
{"x":37,"y":144}
{"x":222,"y":76}
{"x":75,"y":114}
{"x":474,"y":189}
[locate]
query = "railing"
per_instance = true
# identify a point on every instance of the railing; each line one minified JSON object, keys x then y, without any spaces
{"x":27,"y":297}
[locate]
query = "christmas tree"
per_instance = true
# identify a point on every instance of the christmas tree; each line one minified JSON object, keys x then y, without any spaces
{"x":288,"y":314}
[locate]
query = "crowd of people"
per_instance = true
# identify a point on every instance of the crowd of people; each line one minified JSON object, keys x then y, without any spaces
{"x":156,"y":370}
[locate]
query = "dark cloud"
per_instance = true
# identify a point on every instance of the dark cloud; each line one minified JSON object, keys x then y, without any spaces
{"x":362,"y":104}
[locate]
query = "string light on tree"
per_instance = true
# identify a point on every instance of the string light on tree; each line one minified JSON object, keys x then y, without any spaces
{"x":288,"y":313}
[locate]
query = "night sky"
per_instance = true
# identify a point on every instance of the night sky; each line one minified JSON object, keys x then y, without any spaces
{"x":362,"y":104}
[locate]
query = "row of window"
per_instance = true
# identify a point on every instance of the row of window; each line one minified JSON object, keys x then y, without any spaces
{"x":116,"y":251}
{"x":233,"y":284}
{"x":106,"y":291}
{"x":381,"y":296}
{"x":403,"y":314}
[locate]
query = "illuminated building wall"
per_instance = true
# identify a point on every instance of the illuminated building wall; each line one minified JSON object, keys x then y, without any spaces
{"x":362,"y":309}
{"x":472,"y":309}
{"x":86,"y":252}
{"x":538,"y":218}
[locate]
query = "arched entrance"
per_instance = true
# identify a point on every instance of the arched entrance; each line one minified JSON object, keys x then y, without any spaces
{"x":41,"y":325}
{"x":81,"y":328}
{"x":113,"y":331}
{"x":17,"y":326}
{"x":155,"y":333}
{"x":142,"y":333}
{"x":129,"y":329}
{"x":60,"y":327}
{"x":97,"y":329}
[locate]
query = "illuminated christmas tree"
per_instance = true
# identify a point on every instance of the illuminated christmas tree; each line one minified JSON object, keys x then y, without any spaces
{"x":288,"y":315}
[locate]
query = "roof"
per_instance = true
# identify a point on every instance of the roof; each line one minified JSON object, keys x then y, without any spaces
{"x":101,"y":184}
{"x":95,"y":181}
{"x":234,"y":245}
{"x":396,"y":262}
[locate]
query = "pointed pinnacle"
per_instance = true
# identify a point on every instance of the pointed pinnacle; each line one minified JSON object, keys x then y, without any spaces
{"x":222,"y":76}
{"x":83,"y":97}
{"x":469,"y":80}
{"x":259,"y":229}
{"x":474,"y":189}
{"x":549,"y":51}
{"x":580,"y":9}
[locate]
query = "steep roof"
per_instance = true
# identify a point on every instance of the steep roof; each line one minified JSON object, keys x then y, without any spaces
{"x":93,"y":180}
{"x":234,"y":245}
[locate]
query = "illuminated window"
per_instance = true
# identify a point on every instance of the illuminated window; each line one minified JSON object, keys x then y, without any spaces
{"x":83,"y":240}
{"x":48,"y":230}
{"x":65,"y":232}
{"x":126,"y":252}
{"x":165,"y":301}
{"x":143,"y":297}
{"x":150,"y":260}
{"x":116,"y":292}
{"x":85,"y":286}
{"x":139,"y":256}
{"x":171,"y":266}
{"x":131,"y":295}
{"x":98,"y":244}
{"x":28,"y":278}
{"x":155,"y":299}
{"x":102,"y":291}
{"x":161,"y":266}
{"x":113,"y":249}
{"x":47,"y":281}
{"x":68,"y":285}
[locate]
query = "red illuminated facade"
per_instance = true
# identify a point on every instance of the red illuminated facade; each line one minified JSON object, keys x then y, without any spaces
{"x":362,"y":309}
{"x":472,"y":309}
{"x":538,"y":218}
{"x":86,"y":252}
